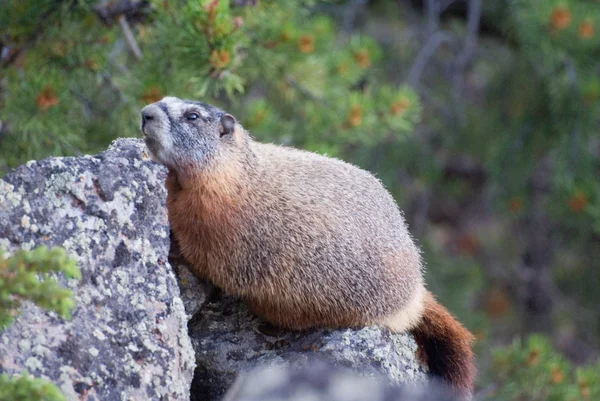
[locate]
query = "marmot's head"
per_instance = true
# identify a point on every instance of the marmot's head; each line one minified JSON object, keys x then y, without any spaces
{"x":184,"y":134}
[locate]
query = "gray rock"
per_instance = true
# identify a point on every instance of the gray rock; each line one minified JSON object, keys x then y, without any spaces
{"x":326,"y":382}
{"x":128,"y":336}
{"x":229,"y":340}
{"x":194,"y":292}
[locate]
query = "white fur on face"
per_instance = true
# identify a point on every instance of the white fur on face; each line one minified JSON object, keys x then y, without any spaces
{"x":158,"y":130}
{"x":177,"y":107}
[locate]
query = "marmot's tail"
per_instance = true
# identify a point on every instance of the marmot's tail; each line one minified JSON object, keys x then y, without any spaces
{"x":447,"y":346}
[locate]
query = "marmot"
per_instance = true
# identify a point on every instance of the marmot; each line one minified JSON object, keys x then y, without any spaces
{"x":306,"y":240}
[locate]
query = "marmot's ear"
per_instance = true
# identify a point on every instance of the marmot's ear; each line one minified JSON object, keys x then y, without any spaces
{"x":227,"y":124}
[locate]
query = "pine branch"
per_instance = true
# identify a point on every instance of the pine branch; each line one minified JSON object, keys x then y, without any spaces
{"x":433,"y":10}
{"x":351,"y":11}
{"x":131,"y":42}
{"x":109,"y":12}
{"x":469,"y":47}
{"x":427,"y":51}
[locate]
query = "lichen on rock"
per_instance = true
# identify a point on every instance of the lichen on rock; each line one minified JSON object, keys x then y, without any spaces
{"x":128,"y":338}
{"x":229,"y":340}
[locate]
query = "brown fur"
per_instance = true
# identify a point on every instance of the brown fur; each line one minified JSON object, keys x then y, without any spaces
{"x":306,"y":240}
{"x":446,"y":345}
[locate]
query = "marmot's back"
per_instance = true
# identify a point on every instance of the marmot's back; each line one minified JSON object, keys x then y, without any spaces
{"x":321,"y":217}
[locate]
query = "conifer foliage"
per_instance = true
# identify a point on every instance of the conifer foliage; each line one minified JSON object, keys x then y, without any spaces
{"x":533,"y":370}
{"x":28,"y":276}
{"x":285,"y":72}
{"x":561,"y":42}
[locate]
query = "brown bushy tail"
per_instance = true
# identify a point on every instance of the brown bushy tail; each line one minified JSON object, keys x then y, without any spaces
{"x":447,"y":346}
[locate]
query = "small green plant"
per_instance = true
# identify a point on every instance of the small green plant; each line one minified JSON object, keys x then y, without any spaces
{"x":534,"y":370}
{"x":25,"y":388}
{"x":28,"y":275}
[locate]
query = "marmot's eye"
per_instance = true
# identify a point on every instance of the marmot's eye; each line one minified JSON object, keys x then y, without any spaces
{"x":192,"y":116}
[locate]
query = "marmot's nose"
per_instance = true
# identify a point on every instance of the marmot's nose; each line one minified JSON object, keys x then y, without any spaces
{"x":148,"y":114}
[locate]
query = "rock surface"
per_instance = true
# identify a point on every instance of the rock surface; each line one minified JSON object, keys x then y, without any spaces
{"x":228,"y":339}
{"x":325,"y":382}
{"x":128,"y":336}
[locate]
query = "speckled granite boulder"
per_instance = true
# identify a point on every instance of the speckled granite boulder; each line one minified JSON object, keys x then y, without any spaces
{"x":228,"y":340}
{"x":326,"y":382}
{"x":194,"y":292}
{"x":128,"y":336}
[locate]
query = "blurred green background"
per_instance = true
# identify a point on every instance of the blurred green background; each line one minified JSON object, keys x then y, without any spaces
{"x":482,"y":118}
